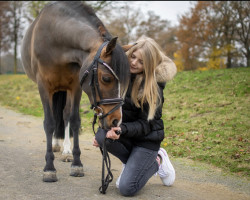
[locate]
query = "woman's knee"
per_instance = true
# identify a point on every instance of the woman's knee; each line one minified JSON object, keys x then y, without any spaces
{"x":127,"y":189}
{"x":100,"y":136}
{"x":109,"y":144}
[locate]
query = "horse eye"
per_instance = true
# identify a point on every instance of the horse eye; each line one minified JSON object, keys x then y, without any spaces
{"x":106,"y":79}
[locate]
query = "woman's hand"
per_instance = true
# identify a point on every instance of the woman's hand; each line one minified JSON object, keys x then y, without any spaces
{"x":111,"y":133}
{"x":95,"y":143}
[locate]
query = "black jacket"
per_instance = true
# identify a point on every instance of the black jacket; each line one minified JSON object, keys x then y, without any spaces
{"x":137,"y":128}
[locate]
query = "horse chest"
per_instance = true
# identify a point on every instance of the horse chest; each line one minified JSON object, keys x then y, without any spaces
{"x":61,"y":79}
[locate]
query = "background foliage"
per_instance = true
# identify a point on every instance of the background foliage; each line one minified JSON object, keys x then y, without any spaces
{"x":211,"y":35}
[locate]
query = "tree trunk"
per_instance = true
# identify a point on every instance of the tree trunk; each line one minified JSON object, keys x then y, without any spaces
{"x":0,"y":58}
{"x":229,"y":59}
{"x":248,"y":58}
{"x":1,"y":46}
{"x":15,"y":39}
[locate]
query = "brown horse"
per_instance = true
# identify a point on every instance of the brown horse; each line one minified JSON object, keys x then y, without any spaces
{"x":65,"y":50}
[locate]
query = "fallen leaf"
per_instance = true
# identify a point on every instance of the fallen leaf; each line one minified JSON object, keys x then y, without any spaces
{"x":173,"y":117}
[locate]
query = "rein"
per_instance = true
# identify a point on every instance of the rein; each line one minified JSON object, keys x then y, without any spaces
{"x":119,"y":101}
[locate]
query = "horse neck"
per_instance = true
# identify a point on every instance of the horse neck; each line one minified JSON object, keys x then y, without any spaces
{"x":83,"y":37}
{"x":73,"y":34}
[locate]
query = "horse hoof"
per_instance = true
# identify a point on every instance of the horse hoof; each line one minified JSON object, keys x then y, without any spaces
{"x":49,"y":176}
{"x":67,"y":158}
{"x":76,"y":171}
{"x":56,"y":148}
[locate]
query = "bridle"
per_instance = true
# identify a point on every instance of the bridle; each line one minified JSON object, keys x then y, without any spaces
{"x":93,"y":68}
{"x":95,"y":85}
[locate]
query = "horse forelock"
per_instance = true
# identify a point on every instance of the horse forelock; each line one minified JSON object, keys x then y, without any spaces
{"x":120,"y":65}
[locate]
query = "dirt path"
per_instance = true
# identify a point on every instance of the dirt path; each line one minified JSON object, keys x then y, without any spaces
{"x":22,"y":147}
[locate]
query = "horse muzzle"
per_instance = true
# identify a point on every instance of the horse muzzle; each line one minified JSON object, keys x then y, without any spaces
{"x":109,"y":115}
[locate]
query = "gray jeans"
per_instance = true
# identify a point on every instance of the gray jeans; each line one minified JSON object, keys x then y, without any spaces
{"x":140,"y":162}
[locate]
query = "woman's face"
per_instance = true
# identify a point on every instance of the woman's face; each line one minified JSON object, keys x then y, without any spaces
{"x":136,"y":62}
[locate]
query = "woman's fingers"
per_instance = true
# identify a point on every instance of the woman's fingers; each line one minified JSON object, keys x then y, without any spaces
{"x":116,"y":128}
{"x":112,"y":135}
{"x":95,"y":143}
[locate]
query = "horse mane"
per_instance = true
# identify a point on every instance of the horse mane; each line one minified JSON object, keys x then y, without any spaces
{"x":79,"y":8}
{"x":120,"y":65}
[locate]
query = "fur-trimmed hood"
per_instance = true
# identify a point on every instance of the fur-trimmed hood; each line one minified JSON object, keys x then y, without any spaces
{"x":165,"y":71}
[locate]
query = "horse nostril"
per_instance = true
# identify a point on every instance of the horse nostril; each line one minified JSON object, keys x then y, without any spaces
{"x":115,"y":122}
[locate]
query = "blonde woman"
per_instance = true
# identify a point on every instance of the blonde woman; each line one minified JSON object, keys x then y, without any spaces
{"x":142,"y":129}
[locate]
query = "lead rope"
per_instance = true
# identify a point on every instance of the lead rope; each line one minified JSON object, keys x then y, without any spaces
{"x":105,"y":161}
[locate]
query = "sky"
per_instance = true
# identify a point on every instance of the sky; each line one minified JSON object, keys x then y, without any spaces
{"x":168,"y":10}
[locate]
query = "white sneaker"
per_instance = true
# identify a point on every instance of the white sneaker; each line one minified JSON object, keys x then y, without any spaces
{"x":166,"y":170}
{"x":118,"y":180}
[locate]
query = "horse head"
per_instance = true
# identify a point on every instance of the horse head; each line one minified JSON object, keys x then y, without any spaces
{"x":105,"y":82}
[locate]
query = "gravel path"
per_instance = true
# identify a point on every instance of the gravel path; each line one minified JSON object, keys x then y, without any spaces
{"x":22,"y":147}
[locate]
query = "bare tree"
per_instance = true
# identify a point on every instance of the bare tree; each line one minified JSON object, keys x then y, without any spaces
{"x":242,"y":11}
{"x":32,"y":9}
{"x":160,"y":30}
{"x":225,"y":21}
{"x":99,"y":6}
{"x":15,"y":27}
{"x":4,"y":30}
{"x":152,"y":26}
{"x":122,"y":20}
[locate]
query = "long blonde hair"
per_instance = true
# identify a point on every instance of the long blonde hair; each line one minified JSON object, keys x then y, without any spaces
{"x":145,"y":87}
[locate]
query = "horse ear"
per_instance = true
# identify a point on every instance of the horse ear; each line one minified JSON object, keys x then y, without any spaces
{"x":111,"y":46}
{"x":128,"y":46}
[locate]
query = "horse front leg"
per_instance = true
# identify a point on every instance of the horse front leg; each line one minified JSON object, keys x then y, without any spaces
{"x":75,"y":122}
{"x":67,"y":153}
{"x":49,"y":171}
{"x":56,"y":144}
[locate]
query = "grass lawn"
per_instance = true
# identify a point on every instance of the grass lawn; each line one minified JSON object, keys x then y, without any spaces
{"x":206,"y":114}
